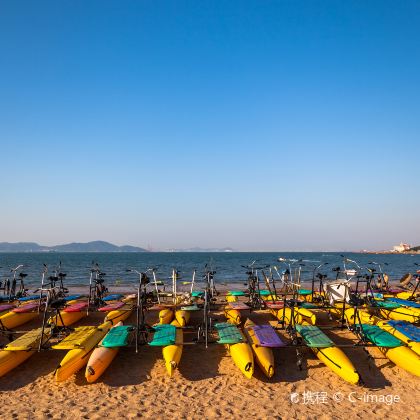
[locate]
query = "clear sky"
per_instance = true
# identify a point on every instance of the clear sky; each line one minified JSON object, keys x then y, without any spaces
{"x":263,"y":125}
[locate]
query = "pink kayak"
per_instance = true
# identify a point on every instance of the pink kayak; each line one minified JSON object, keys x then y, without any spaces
{"x":278,"y":304}
{"x":29,"y":307}
{"x":6,"y":307}
{"x":239,"y":306}
{"x":77,"y":307}
{"x":112,"y":307}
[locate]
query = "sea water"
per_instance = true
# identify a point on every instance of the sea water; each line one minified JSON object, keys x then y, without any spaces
{"x":229,"y":266}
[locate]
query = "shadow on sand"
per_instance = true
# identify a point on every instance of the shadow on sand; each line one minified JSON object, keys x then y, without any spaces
{"x":369,"y":372}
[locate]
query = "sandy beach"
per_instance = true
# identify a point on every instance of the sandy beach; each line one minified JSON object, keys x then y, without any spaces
{"x":207,"y":384}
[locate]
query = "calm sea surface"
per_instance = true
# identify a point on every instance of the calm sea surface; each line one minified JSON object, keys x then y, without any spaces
{"x":227,"y":265}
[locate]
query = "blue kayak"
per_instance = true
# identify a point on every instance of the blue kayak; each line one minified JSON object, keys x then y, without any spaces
{"x":115,"y":296}
{"x":406,"y":328}
{"x":405,"y":302}
{"x":72,"y":297}
{"x":27,"y":298}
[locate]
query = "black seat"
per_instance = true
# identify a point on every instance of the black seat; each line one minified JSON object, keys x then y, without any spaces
{"x":356,"y":301}
{"x":57,"y":303}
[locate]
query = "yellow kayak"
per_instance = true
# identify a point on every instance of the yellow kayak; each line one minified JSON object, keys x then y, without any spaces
{"x":301,"y":315}
{"x":79,"y":349}
{"x":99,"y":360}
{"x":166,"y":316}
{"x":243,"y":358}
{"x":20,"y":350}
{"x":367,"y":318}
{"x":232,"y":315}
{"x":413,"y":345}
{"x":404,"y":357}
{"x":13,"y":319}
{"x":241,"y":353}
{"x":332,"y":356}
{"x":263,"y":355}
{"x":66,"y":318}
{"x":118,"y":315}
{"x":406,"y":295}
{"x":230,"y":298}
{"x":338,"y":362}
{"x":399,"y":314}
{"x":130,"y":298}
{"x":182,"y":317}
{"x":11,"y":359}
{"x":172,"y":354}
{"x":72,"y":302}
{"x":337,"y":311}
{"x":269,"y":298}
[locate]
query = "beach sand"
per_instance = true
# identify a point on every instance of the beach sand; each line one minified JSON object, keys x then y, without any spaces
{"x":207,"y":384}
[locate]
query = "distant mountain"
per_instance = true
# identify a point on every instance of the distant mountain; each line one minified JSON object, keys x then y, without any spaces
{"x":415,"y":248}
{"x":21,"y":247}
{"x":95,"y":246}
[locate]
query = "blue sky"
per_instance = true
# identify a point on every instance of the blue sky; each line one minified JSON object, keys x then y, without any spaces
{"x":265,"y":125}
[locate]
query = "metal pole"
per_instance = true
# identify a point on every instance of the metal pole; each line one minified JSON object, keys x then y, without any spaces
{"x":156,"y":286}
{"x":44,"y":319}
{"x":138,"y":314}
{"x":206,"y":297}
{"x":42,"y":285}
{"x":193,"y":281}
{"x":175,"y":286}
{"x":90,"y":291}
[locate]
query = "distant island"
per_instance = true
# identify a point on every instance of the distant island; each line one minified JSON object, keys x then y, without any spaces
{"x":94,"y":246}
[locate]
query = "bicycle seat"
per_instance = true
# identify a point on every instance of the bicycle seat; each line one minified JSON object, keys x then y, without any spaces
{"x":57,"y":303}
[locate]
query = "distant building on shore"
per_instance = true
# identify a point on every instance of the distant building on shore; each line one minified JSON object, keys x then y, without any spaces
{"x":401,"y":247}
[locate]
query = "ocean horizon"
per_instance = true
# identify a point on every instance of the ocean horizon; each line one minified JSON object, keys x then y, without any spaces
{"x":229,"y":266}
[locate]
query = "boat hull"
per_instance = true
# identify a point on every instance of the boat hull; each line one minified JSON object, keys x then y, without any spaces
{"x":301,"y":315}
{"x":14,"y":319}
{"x":75,"y":359}
{"x":66,"y":318}
{"x":182,"y":317}
{"x":243,"y":358}
{"x":166,"y":316}
{"x":172,"y":354}
{"x":11,"y":359}
{"x":264,"y":356}
{"x":338,"y":362}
